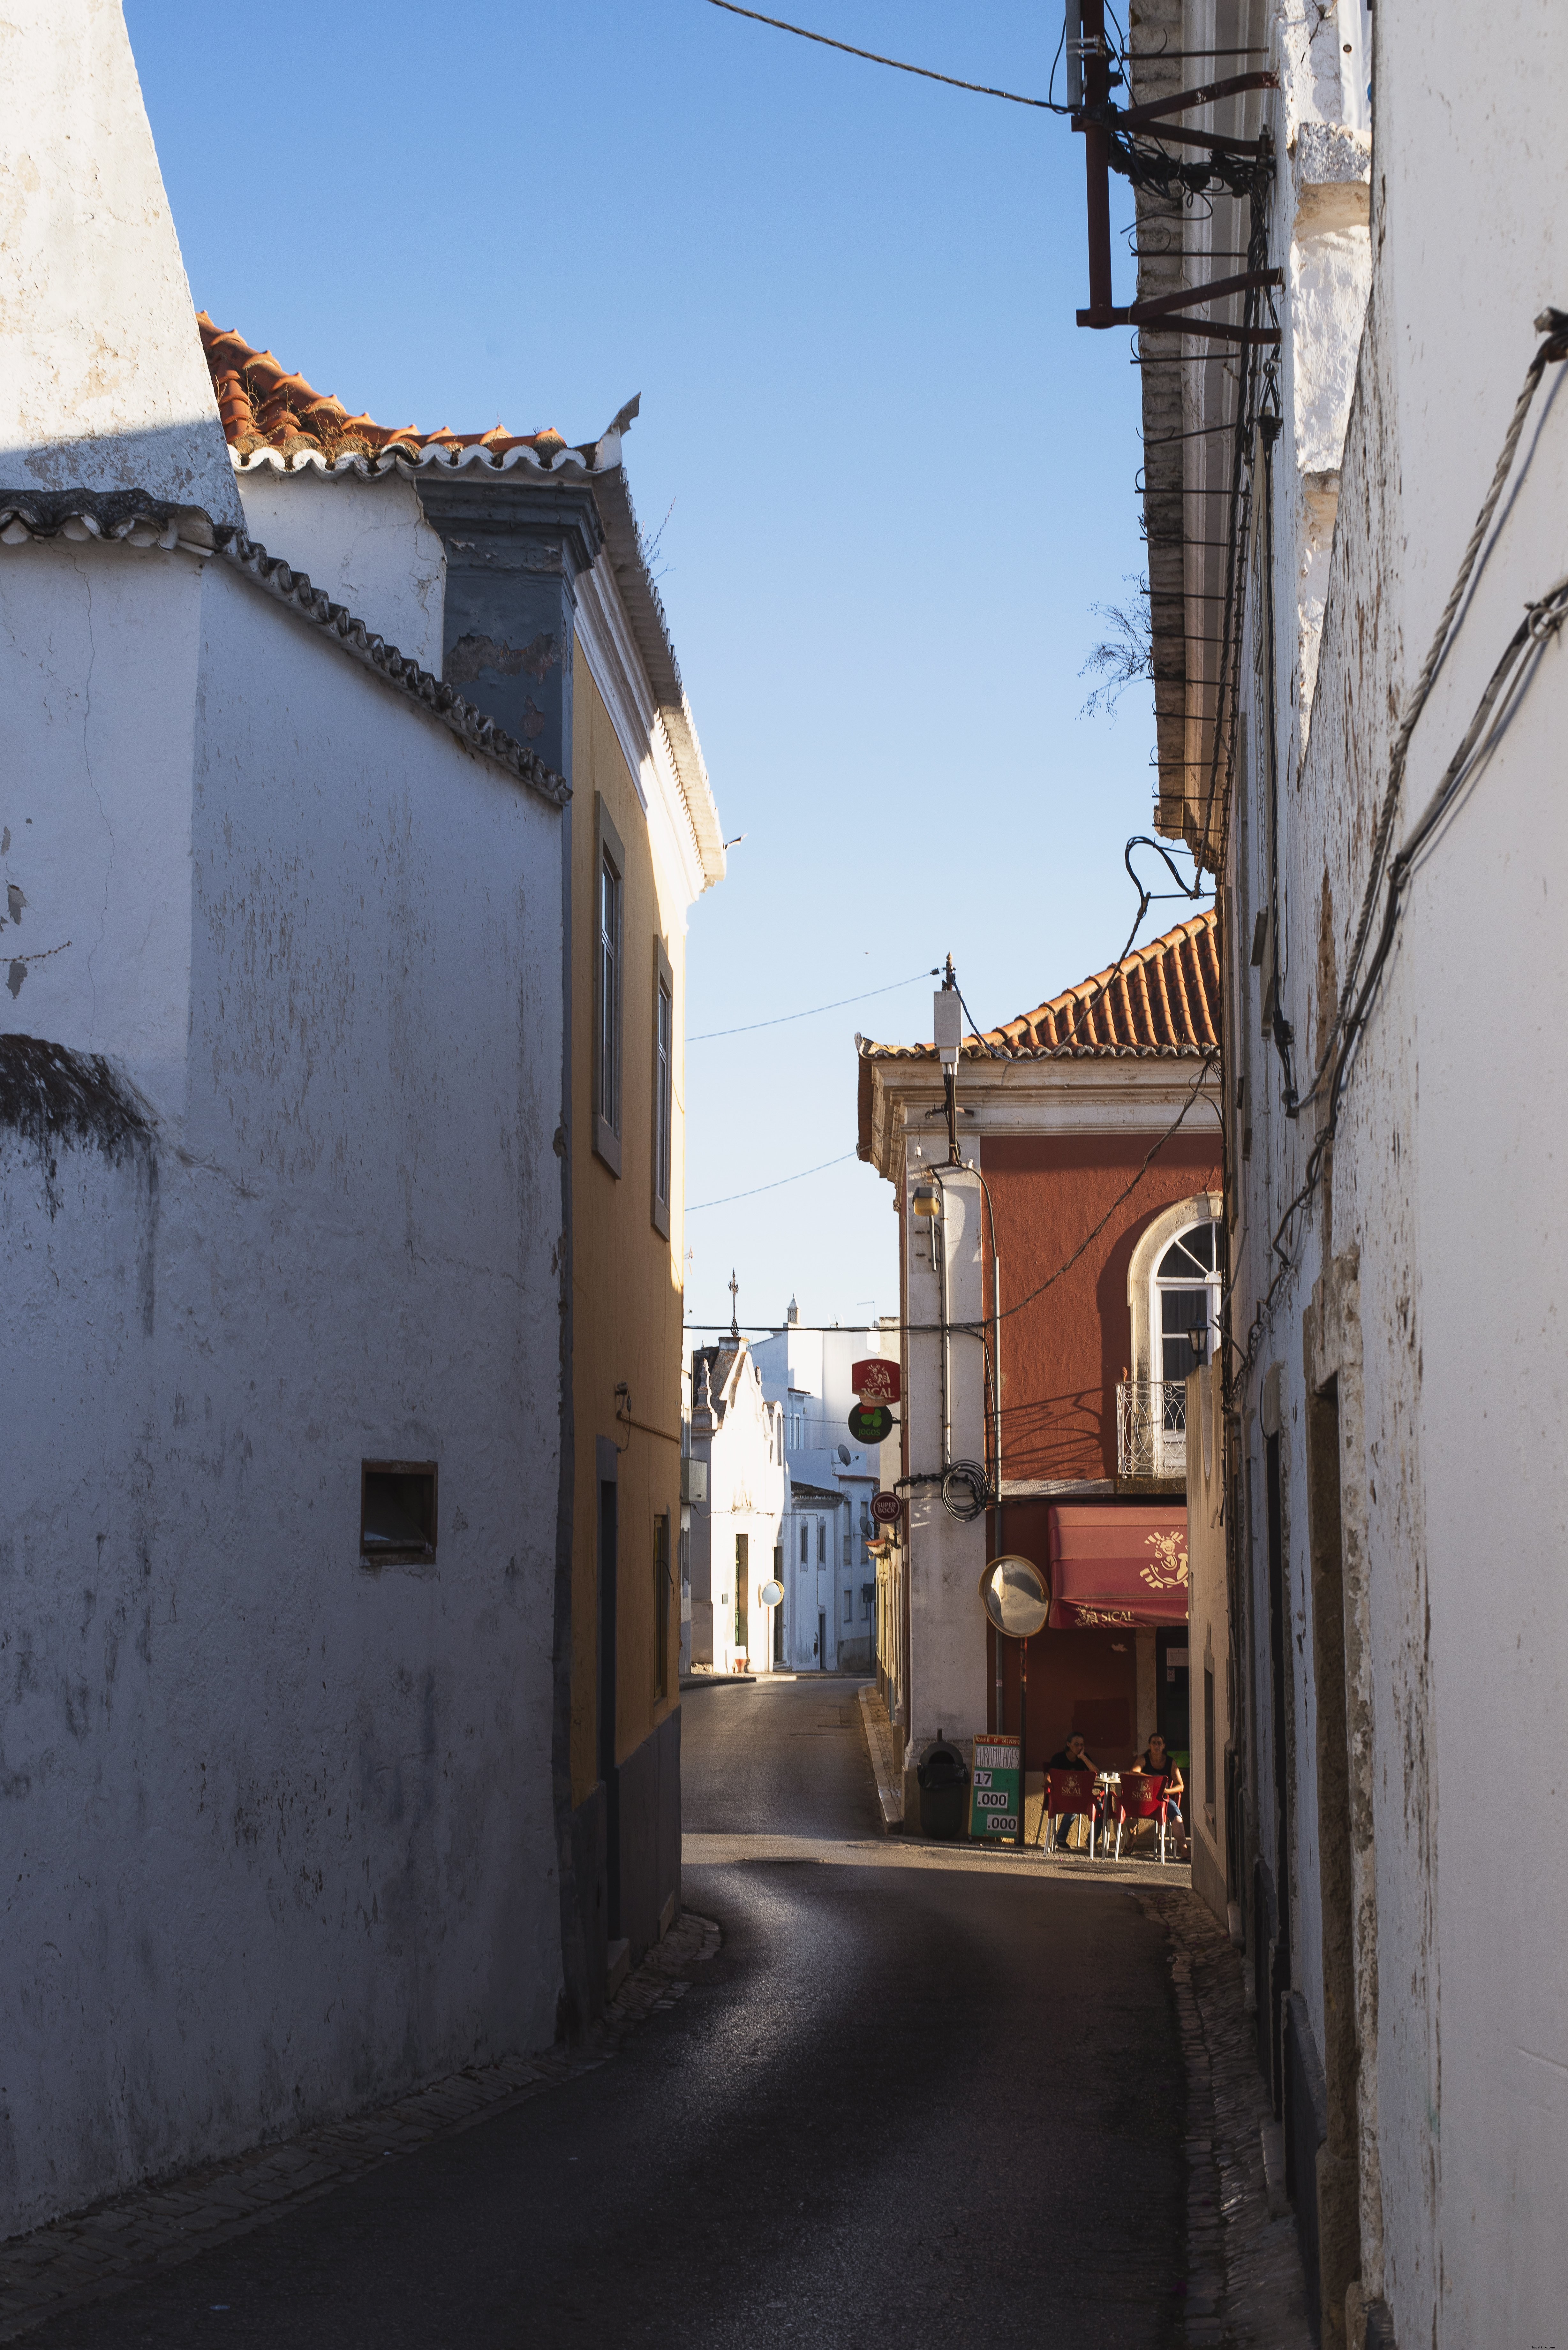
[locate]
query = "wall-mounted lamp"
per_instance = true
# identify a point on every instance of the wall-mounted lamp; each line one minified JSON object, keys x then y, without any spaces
{"x":923,"y":1199}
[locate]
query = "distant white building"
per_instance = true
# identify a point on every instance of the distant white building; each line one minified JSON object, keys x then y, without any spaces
{"x":829,"y":1579}
{"x":735,"y":1476}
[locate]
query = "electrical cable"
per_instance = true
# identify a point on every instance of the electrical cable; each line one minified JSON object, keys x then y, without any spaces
{"x":777,"y":1186}
{"x":1051,"y":1280}
{"x":1553,"y":324}
{"x":1542,"y":619}
{"x":750,"y":1026}
{"x":980,"y":89}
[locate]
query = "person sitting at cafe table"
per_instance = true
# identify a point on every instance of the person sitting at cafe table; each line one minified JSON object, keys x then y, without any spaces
{"x":1157,"y":1761}
{"x":1070,"y":1757}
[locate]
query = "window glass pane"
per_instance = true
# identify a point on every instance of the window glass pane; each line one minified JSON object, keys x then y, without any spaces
{"x":663,"y":1093}
{"x":608,"y":1072}
{"x":1192,"y":1253}
{"x":1180,"y":1310}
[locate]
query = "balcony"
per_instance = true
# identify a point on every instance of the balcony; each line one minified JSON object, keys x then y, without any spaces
{"x":1151,"y":1428}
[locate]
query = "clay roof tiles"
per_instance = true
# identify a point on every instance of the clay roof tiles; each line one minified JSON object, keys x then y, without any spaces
{"x":1162,"y":999}
{"x":264,"y":407}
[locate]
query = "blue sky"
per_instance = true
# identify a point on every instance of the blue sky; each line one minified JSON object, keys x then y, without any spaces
{"x":901,"y":477}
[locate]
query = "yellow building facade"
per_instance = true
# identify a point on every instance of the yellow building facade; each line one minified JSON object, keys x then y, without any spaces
{"x":553,"y":626}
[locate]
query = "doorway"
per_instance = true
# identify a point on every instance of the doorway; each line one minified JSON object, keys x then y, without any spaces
{"x":1172,"y":1696}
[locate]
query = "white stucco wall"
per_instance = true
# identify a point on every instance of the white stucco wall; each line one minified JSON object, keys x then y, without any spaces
{"x":279,"y":1827}
{"x":103,"y":384}
{"x":364,"y":542}
{"x":947,"y":1556}
{"x":1444,"y":1193}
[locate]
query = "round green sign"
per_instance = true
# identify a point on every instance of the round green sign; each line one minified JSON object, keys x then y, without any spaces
{"x":869,"y":1424}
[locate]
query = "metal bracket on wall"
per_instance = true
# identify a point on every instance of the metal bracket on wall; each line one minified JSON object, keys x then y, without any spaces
{"x":1100,"y":121}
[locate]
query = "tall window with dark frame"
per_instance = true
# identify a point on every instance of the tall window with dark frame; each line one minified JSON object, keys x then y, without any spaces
{"x":661,"y":1588}
{"x":608,"y":1088}
{"x":663,"y":1086}
{"x":609,"y":987}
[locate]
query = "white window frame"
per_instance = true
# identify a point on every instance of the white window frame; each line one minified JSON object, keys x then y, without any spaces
{"x":1167,"y":1455}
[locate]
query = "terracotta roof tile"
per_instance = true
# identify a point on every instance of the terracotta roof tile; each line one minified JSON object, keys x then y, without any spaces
{"x":1163,"y":1000}
{"x":263,"y":407}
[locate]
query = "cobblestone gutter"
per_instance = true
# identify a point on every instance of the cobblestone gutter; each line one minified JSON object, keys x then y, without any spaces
{"x":1244,"y":2288}
{"x":118,"y":2244}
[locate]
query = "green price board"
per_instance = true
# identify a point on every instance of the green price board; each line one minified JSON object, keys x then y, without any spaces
{"x":993,"y":1787}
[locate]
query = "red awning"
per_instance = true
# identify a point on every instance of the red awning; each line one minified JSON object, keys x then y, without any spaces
{"x":1123,"y":1563}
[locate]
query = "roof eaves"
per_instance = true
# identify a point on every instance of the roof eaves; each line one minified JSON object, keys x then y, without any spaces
{"x":651,"y":631}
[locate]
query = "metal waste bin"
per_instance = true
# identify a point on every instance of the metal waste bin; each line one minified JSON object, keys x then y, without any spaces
{"x":944,"y":1776}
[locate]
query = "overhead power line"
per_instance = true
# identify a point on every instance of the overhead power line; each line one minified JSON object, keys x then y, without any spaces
{"x":777,"y":1186}
{"x":750,"y":1026}
{"x":980,"y":89}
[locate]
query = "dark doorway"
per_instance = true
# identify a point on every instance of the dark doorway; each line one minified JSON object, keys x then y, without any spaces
{"x":1173,"y":1711}
{"x":606,"y":1761}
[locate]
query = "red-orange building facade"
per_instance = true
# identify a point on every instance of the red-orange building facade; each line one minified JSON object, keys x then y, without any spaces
{"x":1089,"y":1131}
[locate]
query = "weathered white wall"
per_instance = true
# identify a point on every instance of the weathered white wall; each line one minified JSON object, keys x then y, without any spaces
{"x":947,"y":1556}
{"x":279,"y":1828}
{"x":1444,"y":1191}
{"x":105,"y":643}
{"x":103,"y":386}
{"x":1208,"y":1629}
{"x":363,"y":540}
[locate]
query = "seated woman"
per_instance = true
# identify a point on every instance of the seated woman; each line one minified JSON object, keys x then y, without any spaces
{"x":1157,"y":1761}
{"x":1070,"y":1757}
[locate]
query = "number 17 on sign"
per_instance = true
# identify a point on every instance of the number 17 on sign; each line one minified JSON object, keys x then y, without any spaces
{"x":994,"y":1787}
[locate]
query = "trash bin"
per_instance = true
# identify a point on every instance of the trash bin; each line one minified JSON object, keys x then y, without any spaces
{"x":944,"y":1776}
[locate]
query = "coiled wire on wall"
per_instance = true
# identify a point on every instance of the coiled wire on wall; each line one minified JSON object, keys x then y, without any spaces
{"x":966,"y":1491}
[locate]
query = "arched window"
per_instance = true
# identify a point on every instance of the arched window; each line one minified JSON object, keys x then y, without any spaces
{"x":1185,"y":1301}
{"x":1184,"y":1313}
{"x":1174,"y":1282}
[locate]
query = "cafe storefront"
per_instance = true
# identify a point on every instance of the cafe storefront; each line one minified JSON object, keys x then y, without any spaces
{"x":1112,"y":1662}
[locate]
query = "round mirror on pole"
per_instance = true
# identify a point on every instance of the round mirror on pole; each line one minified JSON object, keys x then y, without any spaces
{"x":770,"y":1594}
{"x":1013,"y":1595}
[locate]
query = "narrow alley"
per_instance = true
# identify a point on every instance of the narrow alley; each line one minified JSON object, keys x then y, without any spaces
{"x":917,"y":2091}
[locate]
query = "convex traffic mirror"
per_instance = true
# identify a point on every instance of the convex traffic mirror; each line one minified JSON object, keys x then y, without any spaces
{"x":1013,"y":1595}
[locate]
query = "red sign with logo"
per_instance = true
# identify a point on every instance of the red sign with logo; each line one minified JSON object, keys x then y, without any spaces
{"x":886,"y":1508}
{"x":876,"y":1380}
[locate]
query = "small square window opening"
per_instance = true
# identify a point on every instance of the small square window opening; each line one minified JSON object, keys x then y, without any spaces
{"x":397,"y":1511}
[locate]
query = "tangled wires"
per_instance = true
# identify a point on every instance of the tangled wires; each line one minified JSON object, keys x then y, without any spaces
{"x":966,"y":1491}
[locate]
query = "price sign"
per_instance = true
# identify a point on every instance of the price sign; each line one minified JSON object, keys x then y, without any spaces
{"x":876,"y":1379}
{"x":871,"y":1423}
{"x":995,"y":1786}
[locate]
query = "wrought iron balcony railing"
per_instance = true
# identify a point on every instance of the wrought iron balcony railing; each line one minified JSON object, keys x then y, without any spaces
{"x":1151,"y":1428}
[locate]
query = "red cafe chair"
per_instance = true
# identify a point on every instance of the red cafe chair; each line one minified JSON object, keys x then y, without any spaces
{"x":1073,"y":1792}
{"x":1141,"y":1797}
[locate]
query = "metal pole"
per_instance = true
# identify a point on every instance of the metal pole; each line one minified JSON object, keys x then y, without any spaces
{"x":1022,"y":1741}
{"x":1097,"y":156}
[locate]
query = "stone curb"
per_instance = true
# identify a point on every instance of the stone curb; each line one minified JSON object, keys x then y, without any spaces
{"x":1244,"y":2287}
{"x":135,"y":2236}
{"x":879,"y":1747}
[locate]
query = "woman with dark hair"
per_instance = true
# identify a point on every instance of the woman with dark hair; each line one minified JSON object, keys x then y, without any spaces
{"x":1157,"y":1761}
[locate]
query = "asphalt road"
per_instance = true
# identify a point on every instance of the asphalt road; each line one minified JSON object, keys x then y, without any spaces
{"x":919,"y":2097}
